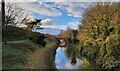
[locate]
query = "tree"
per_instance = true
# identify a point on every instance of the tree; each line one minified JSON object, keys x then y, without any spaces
{"x":15,"y":15}
{"x":99,"y":32}
{"x":70,"y":36}
{"x":32,"y":23}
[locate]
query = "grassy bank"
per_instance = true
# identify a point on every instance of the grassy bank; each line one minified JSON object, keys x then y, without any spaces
{"x":23,"y":48}
{"x":43,"y":58}
{"x":14,"y":55}
{"x":28,"y":55}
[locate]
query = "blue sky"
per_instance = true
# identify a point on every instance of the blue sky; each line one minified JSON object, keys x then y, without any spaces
{"x":57,"y":14}
{"x":61,"y":20}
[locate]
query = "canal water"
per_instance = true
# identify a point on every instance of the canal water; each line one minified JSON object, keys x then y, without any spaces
{"x":62,"y":61}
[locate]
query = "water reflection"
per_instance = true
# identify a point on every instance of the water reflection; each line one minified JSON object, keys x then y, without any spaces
{"x":72,"y":62}
{"x":63,"y":62}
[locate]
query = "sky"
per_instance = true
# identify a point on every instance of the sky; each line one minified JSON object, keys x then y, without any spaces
{"x":56,"y":14}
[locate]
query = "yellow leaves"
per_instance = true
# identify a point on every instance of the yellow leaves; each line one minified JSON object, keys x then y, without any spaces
{"x":85,"y":64}
{"x":88,"y":41}
{"x":98,"y":41}
{"x":111,"y":62}
{"x":107,"y":40}
{"x":112,"y":38}
{"x":99,"y":34}
{"x":85,"y":30}
{"x":102,"y":51}
{"x":112,"y":43}
{"x":67,"y":34}
{"x":95,"y":26}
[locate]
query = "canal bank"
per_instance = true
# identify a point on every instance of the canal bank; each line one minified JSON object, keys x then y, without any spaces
{"x":43,"y":58}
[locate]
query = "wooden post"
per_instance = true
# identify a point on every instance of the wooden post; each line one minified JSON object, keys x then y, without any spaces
{"x":3,"y":12}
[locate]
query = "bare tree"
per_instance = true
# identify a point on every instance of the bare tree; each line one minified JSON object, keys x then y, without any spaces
{"x":15,"y":15}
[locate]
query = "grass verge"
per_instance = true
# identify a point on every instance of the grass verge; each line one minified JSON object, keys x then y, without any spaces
{"x":14,"y":55}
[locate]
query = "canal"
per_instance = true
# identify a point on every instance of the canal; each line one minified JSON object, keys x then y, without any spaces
{"x":62,"y":61}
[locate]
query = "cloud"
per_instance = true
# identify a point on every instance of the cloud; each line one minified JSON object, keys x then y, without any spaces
{"x":74,"y":25}
{"x":46,"y":22}
{"x":62,"y":27}
{"x":73,"y":8}
{"x":68,"y":65}
{"x":39,"y":8}
{"x":76,"y":9}
{"x":52,"y":31}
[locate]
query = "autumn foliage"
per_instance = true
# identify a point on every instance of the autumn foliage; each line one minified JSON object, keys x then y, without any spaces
{"x":99,"y":35}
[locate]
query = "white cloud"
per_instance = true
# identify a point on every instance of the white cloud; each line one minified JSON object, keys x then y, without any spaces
{"x":61,"y":5}
{"x":76,"y":9}
{"x":69,"y":14}
{"x":52,"y":31}
{"x":73,"y":8}
{"x":74,"y":25}
{"x":68,"y":65}
{"x":40,"y":8}
{"x":46,"y":22}
{"x":62,"y":27}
